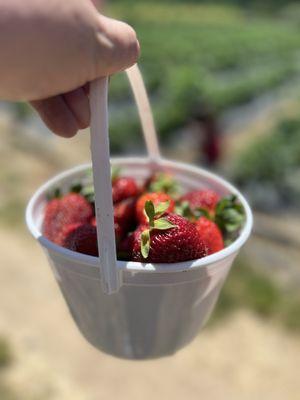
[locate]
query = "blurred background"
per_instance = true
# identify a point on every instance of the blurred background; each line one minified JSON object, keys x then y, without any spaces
{"x":224,"y":82}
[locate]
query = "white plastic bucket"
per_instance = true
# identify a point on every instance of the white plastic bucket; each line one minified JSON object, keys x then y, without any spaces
{"x":159,"y":307}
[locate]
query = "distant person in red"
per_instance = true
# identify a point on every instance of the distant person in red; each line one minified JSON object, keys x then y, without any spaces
{"x":211,"y":140}
{"x":51,"y":49}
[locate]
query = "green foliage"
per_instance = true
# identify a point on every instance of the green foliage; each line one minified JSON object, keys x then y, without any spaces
{"x":5,"y":353}
{"x":249,"y":288}
{"x":200,"y":57}
{"x":249,"y":4}
{"x":273,"y":162}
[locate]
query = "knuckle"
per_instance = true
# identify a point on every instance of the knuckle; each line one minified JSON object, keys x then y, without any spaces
{"x":122,"y":49}
{"x":132,"y":43}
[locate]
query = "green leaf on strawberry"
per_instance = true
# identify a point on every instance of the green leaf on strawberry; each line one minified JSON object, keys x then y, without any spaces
{"x":163,"y":224}
{"x":161,"y":207}
{"x":54,"y":194}
{"x":150,"y":210}
{"x":76,"y":187}
{"x":230,"y":216}
{"x":164,"y":183}
{"x":89,"y":193}
{"x":115,"y":172}
{"x":145,"y":243}
{"x":184,"y":209}
{"x":155,"y":211}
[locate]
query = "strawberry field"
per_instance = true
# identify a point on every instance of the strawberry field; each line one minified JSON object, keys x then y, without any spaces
{"x":268,"y":169}
{"x":200,"y":58}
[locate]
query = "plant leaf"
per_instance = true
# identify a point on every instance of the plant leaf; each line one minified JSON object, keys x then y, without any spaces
{"x":163,"y":224}
{"x":230,"y":215}
{"x":115,"y":172}
{"x":150,"y":211}
{"x":202,"y":212}
{"x":163,"y":182}
{"x":161,"y":207}
{"x":89,"y":193}
{"x":145,"y":243}
{"x":76,"y":187}
{"x":55,"y":194}
{"x":185,"y":210}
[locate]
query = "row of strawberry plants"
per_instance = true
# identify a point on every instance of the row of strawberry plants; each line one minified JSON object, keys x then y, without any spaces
{"x":213,"y":56}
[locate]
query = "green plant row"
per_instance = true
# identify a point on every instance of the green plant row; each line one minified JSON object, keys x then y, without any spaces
{"x":252,"y":289}
{"x":270,"y":166}
{"x":198,"y":58}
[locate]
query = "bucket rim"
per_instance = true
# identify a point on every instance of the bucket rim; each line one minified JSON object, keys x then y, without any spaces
{"x":134,"y":266}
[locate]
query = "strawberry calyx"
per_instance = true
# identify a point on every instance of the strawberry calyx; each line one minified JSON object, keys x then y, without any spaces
{"x":230,"y":216}
{"x":115,"y":173}
{"x":184,"y":209}
{"x":88,"y":190}
{"x":156,"y":220}
{"x":164,"y":183}
{"x":54,"y":194}
{"x":89,"y":193}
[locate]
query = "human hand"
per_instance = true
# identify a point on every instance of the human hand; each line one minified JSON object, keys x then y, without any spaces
{"x":51,"y":50}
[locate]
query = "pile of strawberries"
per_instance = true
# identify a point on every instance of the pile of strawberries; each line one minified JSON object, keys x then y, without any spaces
{"x":154,"y":222}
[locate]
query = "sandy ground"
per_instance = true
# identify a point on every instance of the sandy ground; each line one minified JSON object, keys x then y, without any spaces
{"x":244,"y":358}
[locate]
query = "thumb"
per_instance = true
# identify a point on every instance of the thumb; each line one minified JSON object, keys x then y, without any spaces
{"x":116,"y":47}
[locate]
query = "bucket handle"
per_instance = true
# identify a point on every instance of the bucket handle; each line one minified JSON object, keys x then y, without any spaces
{"x":145,"y":113}
{"x":110,"y":276}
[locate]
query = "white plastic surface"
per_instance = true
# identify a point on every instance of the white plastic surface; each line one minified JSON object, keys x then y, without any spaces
{"x":100,"y":151}
{"x":144,"y":110}
{"x":159,"y":307}
{"x":102,"y":183}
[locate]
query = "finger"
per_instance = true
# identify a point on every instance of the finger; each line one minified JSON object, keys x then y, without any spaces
{"x":117,"y":47}
{"x":98,"y":3}
{"x":78,"y":102}
{"x":57,"y":116}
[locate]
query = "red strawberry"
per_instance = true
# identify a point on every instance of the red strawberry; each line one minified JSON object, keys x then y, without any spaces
{"x":81,"y":238}
{"x":123,"y":188}
{"x":119,"y":231}
{"x":124,"y":213}
{"x":210,"y":235}
{"x":178,"y":243}
{"x":70,"y":209}
{"x":206,"y":199}
{"x":66,"y":231}
{"x":155,"y":198}
{"x":124,"y":248}
{"x":165,"y":240}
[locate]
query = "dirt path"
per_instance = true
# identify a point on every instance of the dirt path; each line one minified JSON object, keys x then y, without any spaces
{"x":242,"y":359}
